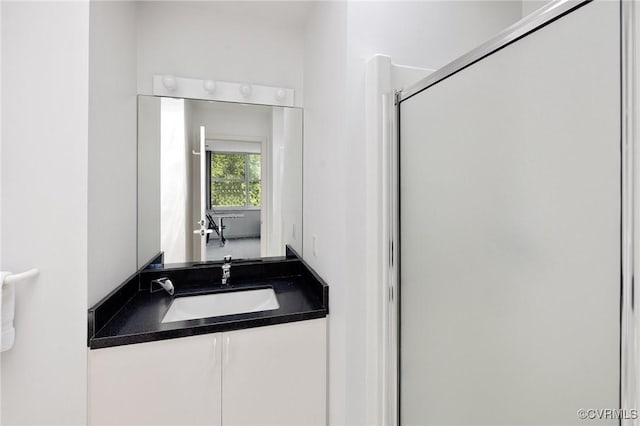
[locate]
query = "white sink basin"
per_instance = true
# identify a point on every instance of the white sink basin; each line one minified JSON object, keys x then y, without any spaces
{"x":218,"y":304}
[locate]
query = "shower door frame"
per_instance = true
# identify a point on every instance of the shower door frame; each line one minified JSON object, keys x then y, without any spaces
{"x":629,"y":362}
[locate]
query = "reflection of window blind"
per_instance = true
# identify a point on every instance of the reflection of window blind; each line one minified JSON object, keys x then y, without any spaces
{"x":233,"y":146}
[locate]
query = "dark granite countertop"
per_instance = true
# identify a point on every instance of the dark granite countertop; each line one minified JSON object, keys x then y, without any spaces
{"x":133,"y":314}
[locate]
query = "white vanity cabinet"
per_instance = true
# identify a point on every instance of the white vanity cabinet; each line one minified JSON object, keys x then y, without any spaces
{"x":272,"y":375}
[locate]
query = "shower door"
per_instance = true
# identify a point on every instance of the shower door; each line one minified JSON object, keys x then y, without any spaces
{"x":510,"y":232}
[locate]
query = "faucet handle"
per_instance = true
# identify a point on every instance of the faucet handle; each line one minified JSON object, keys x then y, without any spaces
{"x":227,"y":258}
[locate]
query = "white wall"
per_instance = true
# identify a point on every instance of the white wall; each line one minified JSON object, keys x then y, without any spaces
{"x":112,"y":146}
{"x":326,"y":177}
{"x":258,"y":42}
{"x":149,"y":157}
{"x":45,"y":67}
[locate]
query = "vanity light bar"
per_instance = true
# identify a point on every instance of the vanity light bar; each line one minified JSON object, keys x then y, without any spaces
{"x":214,"y":90}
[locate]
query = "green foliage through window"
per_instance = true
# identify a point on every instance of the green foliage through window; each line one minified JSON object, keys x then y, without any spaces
{"x":235,"y":180}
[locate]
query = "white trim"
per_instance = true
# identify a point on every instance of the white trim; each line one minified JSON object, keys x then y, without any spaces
{"x":393,"y":312}
{"x":382,"y":205}
{"x":401,"y":75}
{"x":377,"y":85}
{"x":381,"y":230}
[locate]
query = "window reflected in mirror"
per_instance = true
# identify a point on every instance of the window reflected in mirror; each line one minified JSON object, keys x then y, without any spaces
{"x":235,"y":179}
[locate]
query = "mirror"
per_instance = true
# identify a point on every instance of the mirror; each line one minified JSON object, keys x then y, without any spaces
{"x":216,"y":179}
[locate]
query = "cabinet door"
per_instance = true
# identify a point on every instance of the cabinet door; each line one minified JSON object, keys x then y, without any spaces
{"x":168,"y":382}
{"x":275,"y":375}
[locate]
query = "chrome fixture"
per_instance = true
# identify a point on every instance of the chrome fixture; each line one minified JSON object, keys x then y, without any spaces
{"x":226,"y":270}
{"x":165,"y":283}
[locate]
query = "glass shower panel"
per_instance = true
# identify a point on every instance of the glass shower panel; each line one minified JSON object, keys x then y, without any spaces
{"x":510,"y":232}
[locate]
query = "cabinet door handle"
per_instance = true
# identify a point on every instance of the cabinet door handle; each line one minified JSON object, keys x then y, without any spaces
{"x":226,"y":350}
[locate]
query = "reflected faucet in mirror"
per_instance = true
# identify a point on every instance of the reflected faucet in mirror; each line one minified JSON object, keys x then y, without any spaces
{"x":226,"y":270}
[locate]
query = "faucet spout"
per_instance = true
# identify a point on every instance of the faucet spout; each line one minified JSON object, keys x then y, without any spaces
{"x":165,"y":283}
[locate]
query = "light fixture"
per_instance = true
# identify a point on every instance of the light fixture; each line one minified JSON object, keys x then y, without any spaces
{"x":280,"y":94}
{"x":245,"y":90}
{"x":209,"y":86}
{"x":169,"y":82}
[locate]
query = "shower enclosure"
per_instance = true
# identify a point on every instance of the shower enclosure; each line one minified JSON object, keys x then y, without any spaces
{"x":516,"y":228}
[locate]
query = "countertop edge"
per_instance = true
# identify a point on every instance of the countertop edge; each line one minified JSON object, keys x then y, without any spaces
{"x":107,"y":342}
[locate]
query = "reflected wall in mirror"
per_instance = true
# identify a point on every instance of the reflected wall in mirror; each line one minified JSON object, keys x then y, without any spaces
{"x":217,"y":179}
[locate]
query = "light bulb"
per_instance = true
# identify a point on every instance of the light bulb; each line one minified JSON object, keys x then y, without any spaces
{"x":170,"y":82}
{"x":209,"y":86}
{"x":245,"y":90}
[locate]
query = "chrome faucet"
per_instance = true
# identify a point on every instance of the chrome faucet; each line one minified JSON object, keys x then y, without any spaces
{"x":165,"y":283}
{"x":226,"y":270}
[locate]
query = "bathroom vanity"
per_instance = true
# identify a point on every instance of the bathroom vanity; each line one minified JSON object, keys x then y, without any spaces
{"x":192,"y":340}
{"x":265,"y":366}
